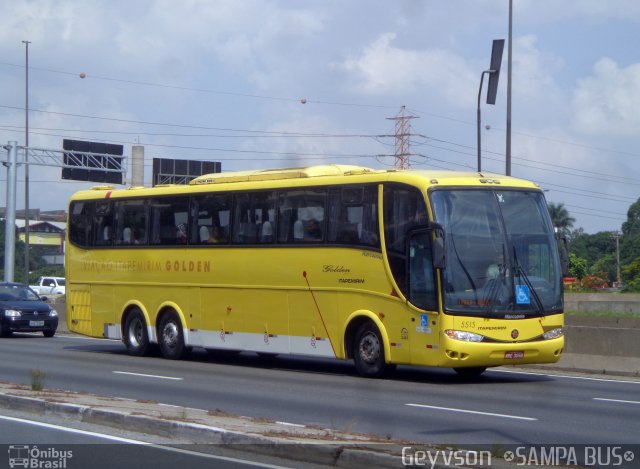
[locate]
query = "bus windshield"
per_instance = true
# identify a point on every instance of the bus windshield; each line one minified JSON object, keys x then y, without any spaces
{"x":501,"y":253}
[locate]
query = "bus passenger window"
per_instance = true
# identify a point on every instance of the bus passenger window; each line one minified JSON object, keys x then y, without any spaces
{"x":353,"y":216}
{"x":80,"y":223}
{"x":252,"y":211}
{"x":301,"y":216}
{"x":167,"y":214}
{"x":103,"y":223}
{"x":210,"y":218}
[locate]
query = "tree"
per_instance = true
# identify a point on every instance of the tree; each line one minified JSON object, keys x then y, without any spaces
{"x":560,"y":218}
{"x":630,"y":240}
{"x":631,"y":276}
{"x":592,"y":247}
{"x":631,"y":227}
{"x":606,"y":265}
{"x":577,"y":266}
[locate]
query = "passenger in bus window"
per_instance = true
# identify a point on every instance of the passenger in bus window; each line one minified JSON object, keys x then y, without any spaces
{"x":138,"y":236}
{"x":217,"y":236}
{"x":312,"y":231}
{"x":181,"y":234}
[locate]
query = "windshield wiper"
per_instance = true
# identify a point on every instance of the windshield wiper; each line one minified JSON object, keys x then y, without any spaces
{"x":464,"y":269}
{"x":519,"y":271}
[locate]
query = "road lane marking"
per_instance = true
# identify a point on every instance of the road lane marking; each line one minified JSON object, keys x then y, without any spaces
{"x":148,"y":376}
{"x":195,"y":409}
{"x":73,"y":430}
{"x":551,"y":375}
{"x":464,"y":411}
{"x":615,"y":400}
{"x":142,"y":443}
{"x":291,"y":424}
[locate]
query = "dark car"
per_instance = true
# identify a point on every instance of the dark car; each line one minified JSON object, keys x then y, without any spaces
{"x":22,"y":310}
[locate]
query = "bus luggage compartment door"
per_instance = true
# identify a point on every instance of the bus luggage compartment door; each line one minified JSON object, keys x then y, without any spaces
{"x":79,"y":309}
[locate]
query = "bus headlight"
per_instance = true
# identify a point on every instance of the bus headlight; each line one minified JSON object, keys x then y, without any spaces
{"x":553,"y":333}
{"x":12,"y":313}
{"x":463,"y":335}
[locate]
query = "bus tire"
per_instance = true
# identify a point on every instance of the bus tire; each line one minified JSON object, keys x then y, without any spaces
{"x":171,"y":338}
{"x":136,"y":336}
{"x":368,"y":351}
{"x":470,"y":372}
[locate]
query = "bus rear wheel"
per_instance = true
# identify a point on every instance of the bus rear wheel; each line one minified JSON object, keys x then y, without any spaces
{"x":171,"y":338}
{"x":368,"y":352}
{"x":136,"y":337}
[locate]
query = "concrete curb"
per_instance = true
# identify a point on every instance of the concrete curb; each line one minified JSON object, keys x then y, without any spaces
{"x":365,"y":455}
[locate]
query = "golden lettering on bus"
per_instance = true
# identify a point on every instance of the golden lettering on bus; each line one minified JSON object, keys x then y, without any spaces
{"x":187,"y":266}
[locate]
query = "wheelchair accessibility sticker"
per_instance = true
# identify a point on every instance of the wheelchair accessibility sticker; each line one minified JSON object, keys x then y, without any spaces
{"x":523,"y":295}
{"x":424,"y":324}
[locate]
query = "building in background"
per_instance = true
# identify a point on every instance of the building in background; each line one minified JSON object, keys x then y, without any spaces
{"x":46,"y":233}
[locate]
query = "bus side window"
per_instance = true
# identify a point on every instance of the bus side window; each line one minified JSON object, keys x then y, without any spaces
{"x":81,"y":224}
{"x":210,"y":218}
{"x":131,"y":221}
{"x":421,"y":277}
{"x":169,"y":220}
{"x":103,"y":223}
{"x":301,"y":216}
{"x":404,"y":208}
{"x":353,"y":216}
{"x":252,"y":211}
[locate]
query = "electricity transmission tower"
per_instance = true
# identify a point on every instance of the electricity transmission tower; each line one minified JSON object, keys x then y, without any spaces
{"x":403,"y":137}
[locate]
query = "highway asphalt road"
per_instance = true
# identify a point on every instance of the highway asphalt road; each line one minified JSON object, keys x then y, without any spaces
{"x":421,"y":405}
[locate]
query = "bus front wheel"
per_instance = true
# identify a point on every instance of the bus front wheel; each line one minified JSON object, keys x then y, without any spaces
{"x":368,"y":352}
{"x":136,"y":337}
{"x":171,"y":338}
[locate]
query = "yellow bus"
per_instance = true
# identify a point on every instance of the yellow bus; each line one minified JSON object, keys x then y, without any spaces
{"x":385,"y":267}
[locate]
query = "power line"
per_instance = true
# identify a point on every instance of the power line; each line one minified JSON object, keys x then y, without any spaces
{"x":302,"y":100}
{"x":312,"y":101}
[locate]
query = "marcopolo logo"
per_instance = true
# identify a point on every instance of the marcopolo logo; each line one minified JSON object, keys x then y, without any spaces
{"x":33,"y":457}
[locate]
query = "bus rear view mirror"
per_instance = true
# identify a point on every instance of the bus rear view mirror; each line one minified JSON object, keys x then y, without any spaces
{"x":438,"y":246}
{"x":439,"y":258}
{"x":564,"y":254}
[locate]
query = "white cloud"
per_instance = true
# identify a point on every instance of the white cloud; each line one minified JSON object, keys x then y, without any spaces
{"x":534,"y":71}
{"x":598,"y":10}
{"x":608,"y":102}
{"x":382,"y":69}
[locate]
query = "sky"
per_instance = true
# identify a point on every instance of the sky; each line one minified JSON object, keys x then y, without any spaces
{"x":280,"y":83}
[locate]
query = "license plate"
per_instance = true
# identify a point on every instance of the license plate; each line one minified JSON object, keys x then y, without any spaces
{"x":36,"y":323}
{"x":513,"y":355}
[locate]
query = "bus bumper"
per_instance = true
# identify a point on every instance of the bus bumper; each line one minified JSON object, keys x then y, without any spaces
{"x":459,"y":354}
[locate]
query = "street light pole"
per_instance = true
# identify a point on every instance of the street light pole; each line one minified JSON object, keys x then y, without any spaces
{"x":508,"y":147}
{"x":26,"y":164}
